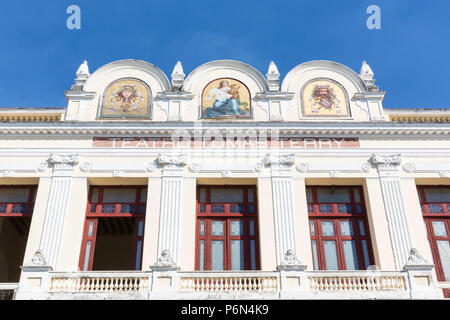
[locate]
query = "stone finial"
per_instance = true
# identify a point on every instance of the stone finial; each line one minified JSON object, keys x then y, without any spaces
{"x":82,"y":75}
{"x":366,"y":72}
{"x":273,"y":77}
{"x":83,"y":69}
{"x":177,"y":77}
{"x":366,"y":75}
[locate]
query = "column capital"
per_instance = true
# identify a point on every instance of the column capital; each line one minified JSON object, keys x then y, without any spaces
{"x":64,"y":161}
{"x":386,"y":162}
{"x":172,"y":161}
{"x":279,"y":161}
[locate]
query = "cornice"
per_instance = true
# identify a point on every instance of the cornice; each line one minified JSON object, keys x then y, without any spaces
{"x":303,"y":128}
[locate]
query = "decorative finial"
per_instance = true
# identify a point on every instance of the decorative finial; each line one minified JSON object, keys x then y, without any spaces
{"x":366,"y":75}
{"x":366,"y":71}
{"x":177,"y":77}
{"x":82,"y":75}
{"x":273,"y":77}
{"x":83,"y":69}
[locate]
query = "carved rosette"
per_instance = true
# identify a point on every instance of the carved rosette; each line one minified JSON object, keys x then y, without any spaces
{"x":42,"y":166}
{"x":408,"y":167}
{"x":85,"y":166}
{"x":365,"y":166}
{"x":302,"y":167}
{"x":194,"y":167}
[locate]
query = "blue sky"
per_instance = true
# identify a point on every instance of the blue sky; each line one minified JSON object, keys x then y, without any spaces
{"x":410,"y":54}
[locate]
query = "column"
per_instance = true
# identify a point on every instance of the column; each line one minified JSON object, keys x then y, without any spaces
{"x":171,"y":204}
{"x":378,"y":224}
{"x":283,"y":210}
{"x":394,"y":205}
{"x":419,"y":237}
{"x":57,"y":206}
{"x":267,"y":243}
{"x":149,"y":252}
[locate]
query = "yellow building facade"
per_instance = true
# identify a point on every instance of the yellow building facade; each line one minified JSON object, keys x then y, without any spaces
{"x":224,"y":184}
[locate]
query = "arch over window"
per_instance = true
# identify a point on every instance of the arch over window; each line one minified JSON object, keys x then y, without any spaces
{"x":126,"y":98}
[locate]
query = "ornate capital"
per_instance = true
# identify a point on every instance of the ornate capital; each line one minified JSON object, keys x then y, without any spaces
{"x":64,"y":161}
{"x":290,"y":262}
{"x":279,"y":161}
{"x":165,"y":262}
{"x":386,"y":162}
{"x":171,"y":161}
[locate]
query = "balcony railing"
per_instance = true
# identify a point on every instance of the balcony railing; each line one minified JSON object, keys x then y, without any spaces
{"x":99,"y":282}
{"x":234,"y":284}
{"x":228,"y":282}
{"x":7,"y":290}
{"x":357,"y":281}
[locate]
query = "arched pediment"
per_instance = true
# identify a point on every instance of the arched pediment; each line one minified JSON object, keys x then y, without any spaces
{"x":322,"y":69}
{"x":327,"y":90}
{"x":147,"y":72}
{"x":210,"y":71}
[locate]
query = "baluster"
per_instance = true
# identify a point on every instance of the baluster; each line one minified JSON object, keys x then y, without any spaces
{"x":226,"y":284}
{"x":340,"y":284}
{"x":202,"y":284}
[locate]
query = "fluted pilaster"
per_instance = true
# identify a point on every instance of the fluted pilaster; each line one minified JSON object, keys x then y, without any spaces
{"x":171,"y":197}
{"x":57,"y":206}
{"x":394,"y":204}
{"x":283,"y":209}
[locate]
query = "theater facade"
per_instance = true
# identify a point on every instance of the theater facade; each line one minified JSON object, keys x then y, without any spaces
{"x":224,"y":184}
